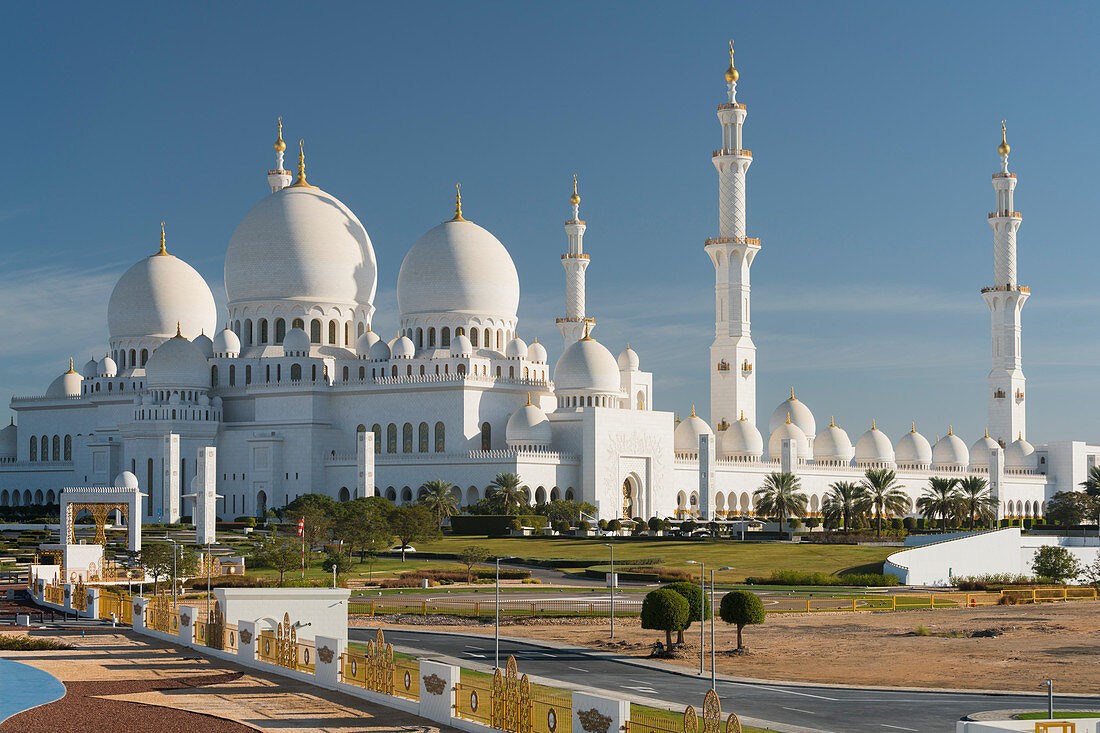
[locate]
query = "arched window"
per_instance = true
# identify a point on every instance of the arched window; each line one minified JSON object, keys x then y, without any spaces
{"x":459,"y":330}
{"x":278,"y":372}
{"x":511,"y":372}
{"x":359,"y":330}
{"x":407,"y":438}
{"x":133,"y":358}
{"x":57,"y":448}
{"x":498,"y":372}
{"x":420,"y":338}
{"x":362,"y":373}
{"x":500,"y":340}
{"x":641,"y":400}
{"x":486,"y":436}
{"x":144,"y":356}
{"x":344,"y":495}
{"x":45,"y":443}
{"x":408,"y":370}
{"x":248,"y":374}
{"x":298,"y":323}
{"x":391,"y":438}
{"x":473,"y":337}
{"x":313,"y":373}
{"x":232,"y":375}
{"x":315,"y":331}
{"x":280,"y":330}
{"x":461,"y":369}
{"x":295,"y":372}
{"x":393,"y":371}
{"x":423,"y":437}
{"x":422,"y":370}
{"x":68,"y":447}
{"x":34,"y":448}
{"x":345,"y":374}
{"x":248,"y":332}
{"x":431,"y":337}
{"x":347,"y":333}
{"x":377,"y":430}
{"x":445,"y":336}
{"x":440,"y":438}
{"x":332,"y":332}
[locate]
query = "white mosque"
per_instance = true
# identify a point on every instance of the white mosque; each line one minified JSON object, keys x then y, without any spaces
{"x":298,"y":394}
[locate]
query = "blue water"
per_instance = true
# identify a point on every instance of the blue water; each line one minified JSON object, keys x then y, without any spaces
{"x":23,"y":687}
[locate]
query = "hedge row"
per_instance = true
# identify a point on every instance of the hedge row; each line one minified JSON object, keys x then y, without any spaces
{"x":493,"y":524}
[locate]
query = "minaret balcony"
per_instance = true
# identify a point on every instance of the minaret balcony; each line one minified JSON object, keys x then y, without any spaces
{"x":582,"y":319}
{"x":1006,"y":215}
{"x":732,"y":105}
{"x":1004,"y":175}
{"x":1007,"y":289}
{"x":752,"y":241}
{"x":732,"y":151}
{"x":575,"y":257}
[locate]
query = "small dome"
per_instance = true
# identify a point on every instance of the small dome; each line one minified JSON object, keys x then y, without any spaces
{"x":799,"y":414}
{"x":913,"y":449}
{"x":364,"y":343}
{"x":833,"y":444}
{"x":587,"y":366}
{"x":380,"y":351}
{"x":404,"y":348}
{"x":176,"y":363}
{"x":1020,"y":455}
{"x":981,"y":450}
{"x":536,"y":352}
{"x":67,"y":384}
{"x":461,"y":346}
{"x":788,"y":431}
{"x":515,"y":349}
{"x":90,"y":370}
{"x":226,"y":343}
{"x":157,"y":293}
{"x":295,"y":343}
{"x":107,"y":367}
{"x":874,"y":447}
{"x":685,"y":438}
{"x":950,"y":452}
{"x":628,"y":360}
{"x":740,"y":440}
{"x":528,"y":426}
{"x":126,"y":480}
{"x":9,"y":441}
{"x":204,"y":344}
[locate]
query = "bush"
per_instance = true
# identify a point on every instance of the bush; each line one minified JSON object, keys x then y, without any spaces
{"x":688,"y":526}
{"x":614,"y":525}
{"x":921,"y":630}
{"x":694,"y":596}
{"x":1056,"y":563}
{"x":226,"y":581}
{"x":584,"y":525}
{"x":493,"y":524}
{"x":515,"y":525}
{"x":896,"y":523}
{"x":797,"y":577}
{"x":656,"y":524}
{"x":922,"y":523}
{"x":741,"y":608}
{"x":30,"y":644}
{"x":812,"y":522}
{"x":665,"y":610}
{"x":602,"y":524}
{"x":794,"y":522}
{"x":909,"y":523}
{"x":561,"y":527}
{"x":992,"y":581}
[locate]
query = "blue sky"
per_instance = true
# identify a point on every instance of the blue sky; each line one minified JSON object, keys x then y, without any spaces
{"x":873,"y":126}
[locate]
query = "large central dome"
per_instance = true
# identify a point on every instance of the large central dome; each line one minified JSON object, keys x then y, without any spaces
{"x":458,"y":267}
{"x":301,"y":243}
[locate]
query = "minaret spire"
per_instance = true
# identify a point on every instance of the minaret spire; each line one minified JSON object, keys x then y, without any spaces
{"x":575,"y":262}
{"x":163,"y":251}
{"x":302,"y":182}
{"x":279,"y":177}
{"x":1006,"y":299}
{"x":458,"y":203}
{"x":733,"y":353}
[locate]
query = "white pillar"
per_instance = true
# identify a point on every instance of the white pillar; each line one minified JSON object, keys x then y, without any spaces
{"x":598,"y":714}
{"x":327,"y":664}
{"x":437,"y":691}
{"x":139,"y":615}
{"x":706,"y":477}
{"x":365,"y":460}
{"x":246,"y":641}
{"x":205,"y":497}
{"x":170,"y":485}
{"x":188,"y":614}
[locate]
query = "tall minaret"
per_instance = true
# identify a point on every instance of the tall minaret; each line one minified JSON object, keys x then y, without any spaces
{"x":279,"y":178}
{"x":733,"y":354}
{"x":1006,"y":300}
{"x":575,"y":324}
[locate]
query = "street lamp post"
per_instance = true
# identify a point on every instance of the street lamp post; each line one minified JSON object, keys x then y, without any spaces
{"x":174,"y":546}
{"x":1049,"y":684}
{"x":702,"y":607}
{"x":612,"y":584}
{"x":334,"y":576}
{"x":712,"y":670}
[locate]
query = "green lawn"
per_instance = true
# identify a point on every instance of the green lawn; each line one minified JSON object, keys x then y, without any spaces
{"x":382,"y":567}
{"x":1059,"y":715}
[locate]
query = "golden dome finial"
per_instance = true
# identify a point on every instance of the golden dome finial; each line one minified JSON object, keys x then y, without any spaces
{"x":987,"y":432}
{"x":528,"y":399}
{"x":873,"y":424}
{"x":458,"y":203}
{"x":949,"y":430}
{"x":1004,"y":147}
{"x":163,"y":250}
{"x":731,"y":72}
{"x":71,"y":370}
{"x":913,"y":429}
{"x":831,"y":423}
{"x":677,"y":416}
{"x":301,"y":182}
{"x":742,"y":415}
{"x":1020,"y":436}
{"x":575,"y":199}
{"x":788,"y":417}
{"x":693,"y":410}
{"x":178,"y":335}
{"x":586,"y":336}
{"x":792,"y":394}
{"x":280,"y":146}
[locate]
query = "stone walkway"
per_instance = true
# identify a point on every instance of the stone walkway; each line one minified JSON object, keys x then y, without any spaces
{"x":114,"y":678}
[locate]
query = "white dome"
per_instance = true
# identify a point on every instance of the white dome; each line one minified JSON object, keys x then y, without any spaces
{"x":685,"y":438}
{"x":1020,"y":455}
{"x":461,"y":346}
{"x":913,"y":449}
{"x":176,"y":363}
{"x":364,"y":343}
{"x":380,"y":351}
{"x":950,"y":452}
{"x":295,"y":343}
{"x":800,"y":416}
{"x":66,"y":385}
{"x":874,"y":447}
{"x":458,"y":267}
{"x":741,"y":440}
{"x":90,"y":370}
{"x":587,"y":366}
{"x":227,"y":343}
{"x":9,"y":441}
{"x":404,"y":348}
{"x":204,"y":345}
{"x":628,"y":360}
{"x":157,"y":293}
{"x":302,"y":244}
{"x":536,"y":352}
{"x":981,"y":450}
{"x":833,"y":444}
{"x":788,"y":431}
{"x":107,"y":367}
{"x":528,"y":426}
{"x":126,"y":480}
{"x":515,"y":349}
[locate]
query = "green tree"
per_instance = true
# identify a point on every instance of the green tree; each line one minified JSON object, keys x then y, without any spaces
{"x":664,"y":610}
{"x":1070,"y":508}
{"x":781,"y":496}
{"x":741,"y":608}
{"x":156,"y":560}
{"x":319,"y":514}
{"x":1056,"y":563}
{"x":1091,"y":572}
{"x":412,"y":523}
{"x":565,"y":510}
{"x":472,"y":555}
{"x":508,"y":489}
{"x":1091,"y":483}
{"x":656,"y":524}
{"x":438,"y":499}
{"x":363,"y":525}
{"x":940,"y":499}
{"x":694,"y":595}
{"x":882,"y":493}
{"x":841,"y":503}
{"x":340,"y":560}
{"x":976,"y":502}
{"x":281,"y":554}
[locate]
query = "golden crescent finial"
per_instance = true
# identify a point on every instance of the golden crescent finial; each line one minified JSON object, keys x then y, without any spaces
{"x":576,"y":197}
{"x":528,"y":398}
{"x":178,"y":335}
{"x":913,"y":429}
{"x":949,"y":430}
{"x":302,"y":182}
{"x":873,"y":424}
{"x":742,"y":414}
{"x":792,"y":393}
{"x":586,"y":336}
{"x":1004,"y":147}
{"x":693,"y":410}
{"x":280,"y":146}
{"x":458,"y":203}
{"x":731,"y":72}
{"x":788,"y":417}
{"x":163,"y":250}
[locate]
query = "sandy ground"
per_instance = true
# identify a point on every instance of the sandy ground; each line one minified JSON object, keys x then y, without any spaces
{"x":1030,"y":643}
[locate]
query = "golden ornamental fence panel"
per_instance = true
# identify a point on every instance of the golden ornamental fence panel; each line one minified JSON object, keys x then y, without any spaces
{"x":54,"y":594}
{"x":651,"y":720}
{"x":266,"y":646}
{"x":119,"y":605}
{"x":230,"y":636}
{"x":406,"y":678}
{"x":162,"y":615}
{"x":551,"y":710}
{"x":374,"y":669}
{"x":474,"y":697}
{"x":80,"y":596}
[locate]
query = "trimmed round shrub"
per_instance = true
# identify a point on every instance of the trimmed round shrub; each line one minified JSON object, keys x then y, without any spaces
{"x":584,"y":525}
{"x":741,"y":608}
{"x":694,"y":596}
{"x":656,"y":524}
{"x":602,"y":524}
{"x":664,"y":610}
{"x":910,"y":523}
{"x":614,"y":525}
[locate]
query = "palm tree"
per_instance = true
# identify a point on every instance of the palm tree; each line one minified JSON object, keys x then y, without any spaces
{"x":882,"y":493}
{"x":508,"y":489}
{"x":840,"y":504}
{"x":975,"y":499}
{"x":940,"y":499}
{"x":437,"y":498}
{"x":781,"y":496}
{"x":1092,"y":483}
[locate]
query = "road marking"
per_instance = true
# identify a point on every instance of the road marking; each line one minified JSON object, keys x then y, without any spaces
{"x":471,"y":646}
{"x":798,"y":710}
{"x":638,"y":689}
{"x":471,"y":654}
{"x":789,"y":692}
{"x":895,"y":727}
{"x":578,"y":669}
{"x":543,"y":654}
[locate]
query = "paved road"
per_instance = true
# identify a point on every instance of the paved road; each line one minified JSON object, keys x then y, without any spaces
{"x":821,"y":708}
